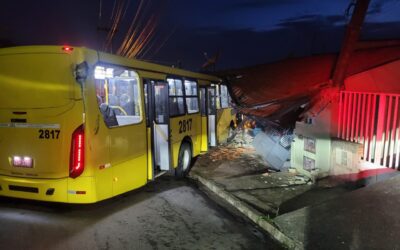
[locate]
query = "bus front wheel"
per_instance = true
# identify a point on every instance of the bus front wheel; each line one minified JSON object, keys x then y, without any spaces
{"x":184,"y":160}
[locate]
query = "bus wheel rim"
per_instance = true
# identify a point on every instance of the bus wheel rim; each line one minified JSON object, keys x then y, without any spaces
{"x":186,"y":159}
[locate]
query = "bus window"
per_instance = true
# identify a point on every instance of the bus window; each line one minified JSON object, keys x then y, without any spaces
{"x":161,"y":112}
{"x":176,"y":101}
{"x":118,"y":95}
{"x":192,"y":98}
{"x":224,"y":96}
{"x":211,"y":107}
{"x":217,"y":99}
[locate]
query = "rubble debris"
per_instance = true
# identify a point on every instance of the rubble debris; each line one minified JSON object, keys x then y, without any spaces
{"x":229,"y":153}
{"x":243,"y":138}
{"x":301,"y":180}
{"x":274,"y":147}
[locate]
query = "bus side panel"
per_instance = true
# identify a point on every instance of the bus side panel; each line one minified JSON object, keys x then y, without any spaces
{"x":130,"y":175}
{"x":175,"y":153}
{"x":149,"y":156}
{"x":224,"y":118}
{"x":204,"y":134}
{"x":197,"y":138}
{"x":98,"y":138}
{"x":176,"y":137}
{"x":128,"y":153}
{"x":182,"y":126}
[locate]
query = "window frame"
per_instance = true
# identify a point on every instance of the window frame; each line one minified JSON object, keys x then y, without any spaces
{"x":177,"y":96}
{"x":197,"y":96}
{"x":140,"y":92}
{"x":146,"y":91}
{"x":203,"y":100}
{"x":217,"y":95}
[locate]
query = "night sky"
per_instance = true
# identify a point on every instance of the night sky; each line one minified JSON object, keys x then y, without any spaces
{"x":243,"y":32}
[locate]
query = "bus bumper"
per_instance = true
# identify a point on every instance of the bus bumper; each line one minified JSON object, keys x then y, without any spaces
{"x":66,"y":190}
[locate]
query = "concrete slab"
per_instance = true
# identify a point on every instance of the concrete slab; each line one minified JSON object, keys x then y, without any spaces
{"x":363,"y":219}
{"x":240,"y":177}
{"x":244,"y":174}
{"x":249,"y":212}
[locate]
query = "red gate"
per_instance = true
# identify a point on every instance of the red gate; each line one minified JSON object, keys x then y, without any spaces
{"x":373,"y":120}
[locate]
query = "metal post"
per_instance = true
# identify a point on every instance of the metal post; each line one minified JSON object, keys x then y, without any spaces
{"x":350,"y":42}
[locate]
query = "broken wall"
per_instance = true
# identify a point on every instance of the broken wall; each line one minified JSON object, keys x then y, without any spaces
{"x":316,"y":150}
{"x":311,"y":147}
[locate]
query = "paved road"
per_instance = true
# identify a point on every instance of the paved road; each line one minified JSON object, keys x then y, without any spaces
{"x":166,"y":214}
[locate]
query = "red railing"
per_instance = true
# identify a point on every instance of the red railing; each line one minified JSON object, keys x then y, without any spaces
{"x":373,"y":120}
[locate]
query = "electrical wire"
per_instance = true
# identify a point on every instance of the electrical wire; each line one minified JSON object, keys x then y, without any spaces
{"x":138,"y":35}
{"x":119,"y":9}
{"x":142,"y":38}
{"x":131,"y":32}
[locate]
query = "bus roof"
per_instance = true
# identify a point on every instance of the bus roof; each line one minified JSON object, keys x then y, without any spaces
{"x":110,"y":58}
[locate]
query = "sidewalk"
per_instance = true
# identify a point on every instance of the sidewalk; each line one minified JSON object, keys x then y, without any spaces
{"x":279,"y":202}
{"x":364,"y":219}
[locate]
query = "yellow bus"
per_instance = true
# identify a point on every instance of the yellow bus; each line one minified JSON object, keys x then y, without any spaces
{"x":80,"y":126}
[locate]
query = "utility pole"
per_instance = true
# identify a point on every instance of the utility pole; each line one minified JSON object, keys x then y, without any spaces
{"x":350,"y":42}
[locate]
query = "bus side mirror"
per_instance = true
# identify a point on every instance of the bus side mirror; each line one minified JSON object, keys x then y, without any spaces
{"x":81,"y":72}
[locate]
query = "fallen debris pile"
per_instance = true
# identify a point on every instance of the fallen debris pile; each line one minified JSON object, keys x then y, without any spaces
{"x":243,"y":138}
{"x":229,"y":153}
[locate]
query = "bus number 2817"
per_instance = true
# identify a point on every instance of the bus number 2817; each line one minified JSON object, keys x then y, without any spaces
{"x":185,"y":125}
{"x":48,"y":134}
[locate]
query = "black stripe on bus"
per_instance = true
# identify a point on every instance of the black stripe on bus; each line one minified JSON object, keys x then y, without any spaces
{"x":19,"y":113}
{"x":23,"y":189}
{"x":18,"y":120}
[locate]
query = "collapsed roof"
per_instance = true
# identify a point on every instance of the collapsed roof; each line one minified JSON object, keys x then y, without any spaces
{"x":276,"y":89}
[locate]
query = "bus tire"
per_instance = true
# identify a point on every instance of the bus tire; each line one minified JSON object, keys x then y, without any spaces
{"x":184,"y":160}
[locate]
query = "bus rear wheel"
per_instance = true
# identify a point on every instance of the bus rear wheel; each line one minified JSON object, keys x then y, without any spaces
{"x":184,"y":160}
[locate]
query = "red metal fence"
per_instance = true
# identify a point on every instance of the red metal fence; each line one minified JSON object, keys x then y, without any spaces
{"x":373,"y":120}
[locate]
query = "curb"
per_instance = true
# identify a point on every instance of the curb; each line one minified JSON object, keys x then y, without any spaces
{"x":249,"y":212}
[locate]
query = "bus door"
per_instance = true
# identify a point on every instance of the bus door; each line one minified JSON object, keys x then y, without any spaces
{"x":212,"y":116}
{"x":159,"y":123}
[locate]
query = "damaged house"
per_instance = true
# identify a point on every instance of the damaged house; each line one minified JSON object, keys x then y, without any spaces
{"x":341,"y":110}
